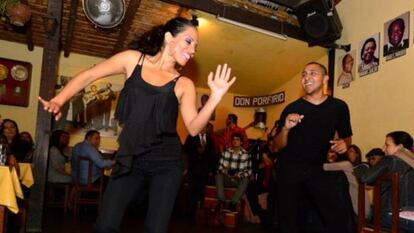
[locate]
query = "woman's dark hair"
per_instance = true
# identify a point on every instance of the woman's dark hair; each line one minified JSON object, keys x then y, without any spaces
{"x":17,"y":147}
{"x":31,"y":141}
{"x":151,"y":41}
{"x":232,"y":118}
{"x":358,"y":153}
{"x":403,"y":138}
{"x":55,"y":140}
{"x":17,"y":137}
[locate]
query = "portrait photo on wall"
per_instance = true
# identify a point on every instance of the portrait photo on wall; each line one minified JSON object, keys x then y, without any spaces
{"x":201,"y":101}
{"x":346,"y":69}
{"x":91,"y":108}
{"x":396,"y":36}
{"x":368,"y":51}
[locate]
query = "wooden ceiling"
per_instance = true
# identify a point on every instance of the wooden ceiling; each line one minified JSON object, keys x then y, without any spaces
{"x":141,"y":15}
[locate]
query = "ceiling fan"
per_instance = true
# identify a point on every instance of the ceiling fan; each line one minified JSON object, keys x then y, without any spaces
{"x":104,"y":13}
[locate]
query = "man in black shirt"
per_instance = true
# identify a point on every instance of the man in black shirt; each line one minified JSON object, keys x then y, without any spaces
{"x":307,"y":130}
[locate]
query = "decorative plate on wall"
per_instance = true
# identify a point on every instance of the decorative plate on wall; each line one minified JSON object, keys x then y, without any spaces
{"x":19,"y":73}
{"x":4,"y":71}
{"x":15,"y":82}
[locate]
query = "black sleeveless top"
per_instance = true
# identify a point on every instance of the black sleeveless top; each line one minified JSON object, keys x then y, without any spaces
{"x":147,"y":113}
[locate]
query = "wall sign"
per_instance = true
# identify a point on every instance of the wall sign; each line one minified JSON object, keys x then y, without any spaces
{"x":255,"y":101}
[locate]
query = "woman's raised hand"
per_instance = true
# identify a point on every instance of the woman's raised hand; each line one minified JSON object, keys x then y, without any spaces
{"x":52,"y":107}
{"x":220,"y":81}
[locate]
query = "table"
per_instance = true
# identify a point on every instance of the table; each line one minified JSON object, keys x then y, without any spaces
{"x":10,"y":188}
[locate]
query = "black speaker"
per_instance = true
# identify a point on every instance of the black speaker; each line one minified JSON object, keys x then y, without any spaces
{"x":319,"y":21}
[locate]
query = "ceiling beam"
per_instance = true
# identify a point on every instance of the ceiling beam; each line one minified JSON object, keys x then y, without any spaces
{"x":243,"y":16}
{"x":71,"y":27}
{"x":126,"y":25}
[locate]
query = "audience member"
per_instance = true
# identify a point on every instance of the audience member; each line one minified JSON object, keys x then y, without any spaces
{"x":398,"y":158}
{"x":226,"y":133}
{"x":234,"y":171}
{"x":353,"y":154}
{"x":199,"y":150}
{"x":59,"y":141}
{"x":346,"y":163}
{"x":20,"y":151}
{"x":89,"y":149}
{"x":374,"y":156}
{"x":27,"y":137}
{"x":259,"y":183}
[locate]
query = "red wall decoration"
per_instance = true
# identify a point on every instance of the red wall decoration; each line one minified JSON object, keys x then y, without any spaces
{"x":15,"y":82}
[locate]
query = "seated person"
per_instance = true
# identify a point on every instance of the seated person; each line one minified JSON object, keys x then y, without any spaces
{"x":374,"y":156}
{"x":259,"y":184}
{"x":19,"y":150}
{"x":59,"y":141}
{"x":398,"y":158}
{"x":346,"y":162}
{"x":89,"y":149}
{"x":234,"y":171}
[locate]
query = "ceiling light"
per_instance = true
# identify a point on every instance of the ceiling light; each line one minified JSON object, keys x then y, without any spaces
{"x":252,"y":28}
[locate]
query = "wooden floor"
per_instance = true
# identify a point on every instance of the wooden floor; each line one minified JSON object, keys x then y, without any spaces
{"x":55,"y":221}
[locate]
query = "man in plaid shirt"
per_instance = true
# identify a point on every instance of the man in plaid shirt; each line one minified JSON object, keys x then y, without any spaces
{"x":235,"y":169}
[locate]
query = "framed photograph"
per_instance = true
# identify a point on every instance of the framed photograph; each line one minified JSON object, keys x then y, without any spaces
{"x":15,"y":82}
{"x":396,"y":36}
{"x":346,"y":69}
{"x":368,"y":52}
{"x":91,"y":108}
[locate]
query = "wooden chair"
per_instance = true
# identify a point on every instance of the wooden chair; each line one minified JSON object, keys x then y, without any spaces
{"x":51,"y":199}
{"x":88,"y":188}
{"x":210,"y":202}
{"x":395,"y":189}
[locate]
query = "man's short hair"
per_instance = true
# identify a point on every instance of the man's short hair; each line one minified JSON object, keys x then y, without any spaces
{"x":323,"y":68}
{"x":398,"y":21}
{"x":232,"y":117}
{"x":90,"y":133}
{"x":237,"y":135}
{"x":375,"y":152}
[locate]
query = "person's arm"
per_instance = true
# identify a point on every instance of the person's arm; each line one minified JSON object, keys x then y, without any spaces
{"x":341,"y":145}
{"x":281,"y":138}
{"x":223,"y":163}
{"x":370,"y":174}
{"x":219,"y":83}
{"x":117,"y":64}
{"x":344,"y":130}
{"x":94,"y":155}
{"x":338,"y":166}
{"x":246,"y":166}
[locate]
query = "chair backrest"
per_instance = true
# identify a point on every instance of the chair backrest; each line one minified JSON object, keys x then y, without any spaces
{"x":84,"y":160}
{"x":394,"y":178}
